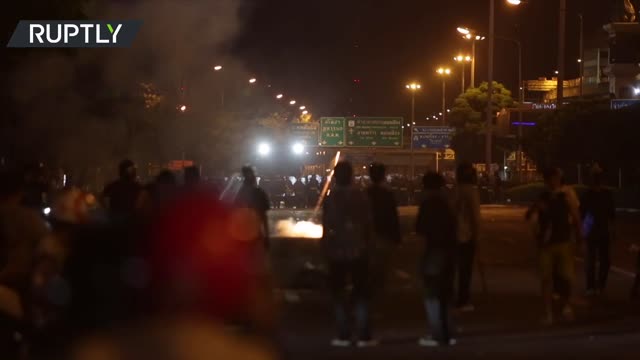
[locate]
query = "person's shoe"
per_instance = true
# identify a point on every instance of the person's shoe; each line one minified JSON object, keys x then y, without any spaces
{"x":430,"y":342}
{"x":466,"y":308}
{"x":568,"y":313}
{"x":340,"y":343}
{"x":367,"y":343}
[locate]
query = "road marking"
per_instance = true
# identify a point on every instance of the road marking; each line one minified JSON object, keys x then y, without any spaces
{"x":615,"y":269}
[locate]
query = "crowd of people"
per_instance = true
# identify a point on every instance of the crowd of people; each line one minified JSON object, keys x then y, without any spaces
{"x":171,"y":252}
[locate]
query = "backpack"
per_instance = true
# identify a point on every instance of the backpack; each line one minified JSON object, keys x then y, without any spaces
{"x":345,"y":227}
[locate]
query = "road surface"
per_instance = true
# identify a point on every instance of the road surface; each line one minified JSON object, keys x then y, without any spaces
{"x":506,"y":323}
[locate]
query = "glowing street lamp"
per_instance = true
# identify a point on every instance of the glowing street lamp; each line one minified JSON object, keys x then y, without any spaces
{"x":444,"y":72}
{"x":463,"y":59}
{"x":302,"y":107}
{"x":413,"y":87}
{"x":470,"y":34}
{"x":217,"y":67}
{"x":292,"y":102}
{"x":514,"y":2}
{"x":297,"y":149}
{"x":252,"y":80}
{"x":279,"y":96}
{"x":305,"y":112}
{"x":183,"y":108}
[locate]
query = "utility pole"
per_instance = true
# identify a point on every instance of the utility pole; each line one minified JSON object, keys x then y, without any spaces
{"x":562,"y":16}
{"x":489,"y":109}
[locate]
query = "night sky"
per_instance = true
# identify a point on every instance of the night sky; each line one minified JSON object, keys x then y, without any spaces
{"x":316,"y":49}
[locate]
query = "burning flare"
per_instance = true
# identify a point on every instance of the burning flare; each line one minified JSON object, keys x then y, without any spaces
{"x":301,"y":229}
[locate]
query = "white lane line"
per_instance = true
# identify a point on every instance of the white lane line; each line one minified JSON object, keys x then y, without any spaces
{"x":615,"y":269}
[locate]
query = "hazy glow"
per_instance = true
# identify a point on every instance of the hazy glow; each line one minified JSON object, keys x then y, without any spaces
{"x":264,"y":149}
{"x":297,"y":148}
{"x":301,"y":229}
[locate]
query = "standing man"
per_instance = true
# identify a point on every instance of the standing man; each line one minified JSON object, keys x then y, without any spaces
{"x":346,"y":240}
{"x":557,"y":213}
{"x":386,"y":225}
{"x":598,"y":214}
{"x":436,"y":224}
{"x":467,"y":210}
{"x":121,"y":196}
{"x":252,"y":197}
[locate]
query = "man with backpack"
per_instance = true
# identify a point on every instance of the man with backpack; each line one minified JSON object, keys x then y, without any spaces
{"x":556,"y":214}
{"x":347,"y":235}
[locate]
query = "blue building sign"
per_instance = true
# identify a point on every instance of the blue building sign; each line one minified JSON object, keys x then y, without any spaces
{"x":431,"y":137}
{"x":623,"y":103}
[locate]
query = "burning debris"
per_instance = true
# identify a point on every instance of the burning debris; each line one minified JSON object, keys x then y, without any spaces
{"x":298,"y":229}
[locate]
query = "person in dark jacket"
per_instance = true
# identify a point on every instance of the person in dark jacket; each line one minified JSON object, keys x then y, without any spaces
{"x":467,"y":209}
{"x":386,"y":225}
{"x":436,"y":224}
{"x":252,"y":197}
{"x":346,"y":238}
{"x":598,"y":213}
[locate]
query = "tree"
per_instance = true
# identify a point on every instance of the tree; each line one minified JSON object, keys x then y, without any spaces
{"x":468,"y":118}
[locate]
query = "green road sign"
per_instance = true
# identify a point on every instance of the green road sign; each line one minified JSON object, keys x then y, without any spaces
{"x":332,"y":131}
{"x":374,"y":132}
{"x":307,"y":133}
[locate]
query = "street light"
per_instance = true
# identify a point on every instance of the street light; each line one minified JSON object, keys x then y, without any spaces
{"x":279,"y":96}
{"x":252,"y":80}
{"x":292,"y":102}
{"x":183,"y":108}
{"x":444,"y":72}
{"x":413,"y":87}
{"x":217,"y":67}
{"x":469,"y":34}
{"x":462,"y":59}
{"x":514,"y":2}
{"x":302,"y":107}
{"x":305,"y":112}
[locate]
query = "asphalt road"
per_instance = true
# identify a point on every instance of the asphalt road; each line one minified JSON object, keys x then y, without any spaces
{"x":506,"y":323}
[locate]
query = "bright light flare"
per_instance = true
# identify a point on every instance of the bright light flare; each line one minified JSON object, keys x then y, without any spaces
{"x":514,"y":2}
{"x":292,"y":102}
{"x":414,"y":86}
{"x":463,"y":30}
{"x":183,"y":108}
{"x":444,"y":71}
{"x":297,"y":148}
{"x":264,"y":149}
{"x":252,"y":80}
{"x":46,"y":211}
{"x":301,"y":229}
{"x":217,"y":67}
{"x":279,"y":96}
{"x":636,"y":91}
{"x":302,"y":107}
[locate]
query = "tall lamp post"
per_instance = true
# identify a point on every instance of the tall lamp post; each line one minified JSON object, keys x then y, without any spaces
{"x":469,"y":34}
{"x":413,"y":87}
{"x":444,"y":72}
{"x":463,"y":60}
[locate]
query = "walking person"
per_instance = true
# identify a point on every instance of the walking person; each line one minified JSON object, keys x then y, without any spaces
{"x":556,"y":215}
{"x":598,"y":214}
{"x":253,"y":197}
{"x":346,"y":239}
{"x":436,"y":224}
{"x":467,"y":210}
{"x":386,"y":224}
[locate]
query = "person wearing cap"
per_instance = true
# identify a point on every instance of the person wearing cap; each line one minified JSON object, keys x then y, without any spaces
{"x":598,"y":214}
